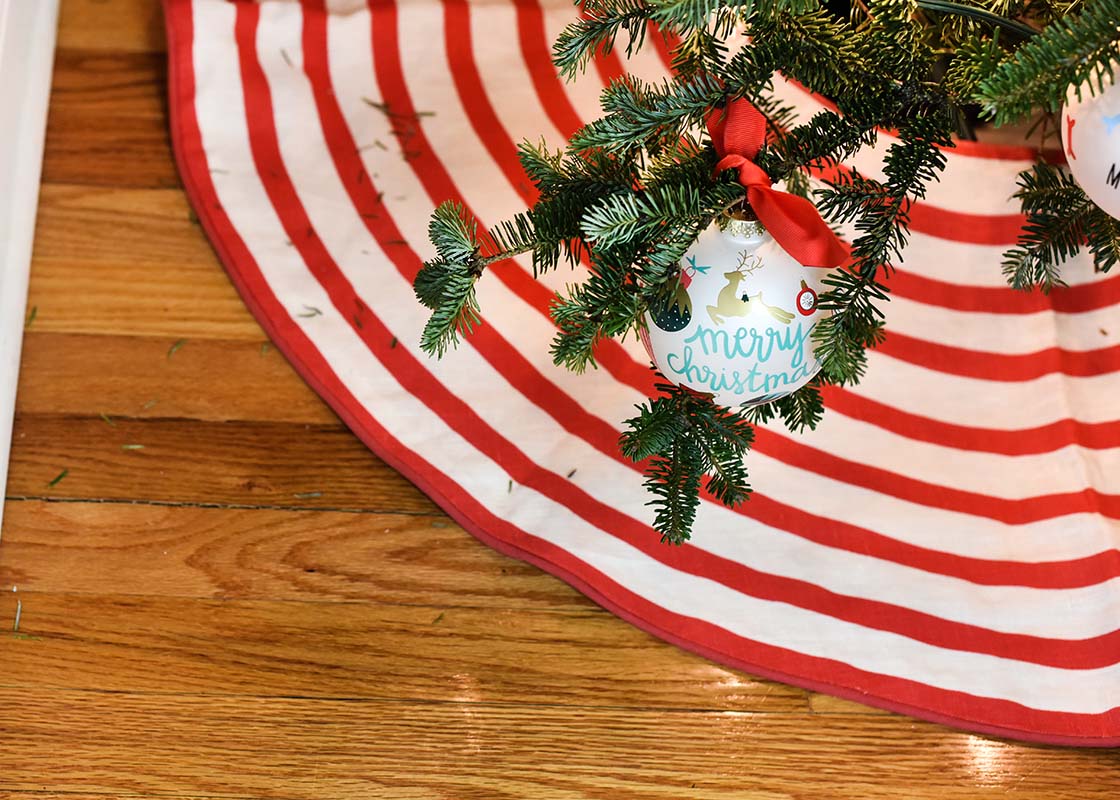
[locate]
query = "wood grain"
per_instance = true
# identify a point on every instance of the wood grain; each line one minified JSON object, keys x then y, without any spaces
{"x":107,"y":120}
{"x":111,"y":26}
{"x":129,"y":261}
{"x":120,"y":376}
{"x":259,"y":648}
{"x":253,"y":464}
{"x":254,"y":606}
{"x":187,"y":744}
{"x":190,"y":552}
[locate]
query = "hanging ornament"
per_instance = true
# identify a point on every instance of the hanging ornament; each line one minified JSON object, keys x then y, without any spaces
{"x":1091,"y":141}
{"x":752,"y":308}
{"x":738,"y":324}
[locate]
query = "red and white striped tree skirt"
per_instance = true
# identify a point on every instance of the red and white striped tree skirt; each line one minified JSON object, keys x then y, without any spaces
{"x":945,"y":544}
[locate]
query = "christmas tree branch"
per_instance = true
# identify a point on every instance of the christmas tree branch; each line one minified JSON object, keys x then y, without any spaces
{"x":683,"y":436}
{"x":1069,"y":52}
{"x":880,"y":214}
{"x":596,"y":33}
{"x":1060,"y":218}
{"x":983,"y":15}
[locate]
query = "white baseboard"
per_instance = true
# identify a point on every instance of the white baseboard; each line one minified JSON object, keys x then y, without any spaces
{"x":27,"y":39}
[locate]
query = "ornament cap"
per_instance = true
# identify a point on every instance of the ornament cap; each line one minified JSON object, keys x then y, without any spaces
{"x":743,"y":228}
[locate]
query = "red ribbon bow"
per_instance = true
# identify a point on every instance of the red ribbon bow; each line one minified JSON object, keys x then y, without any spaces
{"x":738,"y":132}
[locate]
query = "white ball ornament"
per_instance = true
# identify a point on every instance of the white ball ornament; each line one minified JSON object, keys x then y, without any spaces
{"x":739,"y":324}
{"x":1091,"y":141}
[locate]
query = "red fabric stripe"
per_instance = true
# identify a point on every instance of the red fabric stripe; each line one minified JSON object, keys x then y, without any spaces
{"x":1025,"y":441}
{"x":1001,"y":366}
{"x":458,"y":40}
{"x":688,"y":558}
{"x":1003,"y":299}
{"x":954,"y":226}
{"x":1011,"y":512}
{"x":907,"y":696}
{"x":960,"y":226}
{"x":608,"y":65}
{"x":498,"y":143}
{"x":534,"y":43}
{"x":661,"y":45}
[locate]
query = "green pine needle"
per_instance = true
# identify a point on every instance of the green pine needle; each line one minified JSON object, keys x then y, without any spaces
{"x":175,"y":347}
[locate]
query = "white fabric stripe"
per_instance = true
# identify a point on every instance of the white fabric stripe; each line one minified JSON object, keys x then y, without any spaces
{"x":977,"y":402}
{"x":1084,"y":691}
{"x":1009,"y":334}
{"x":1070,"y":469}
{"x":496,"y":298}
{"x":644,"y":64}
{"x":1067,"y":537}
{"x":965,"y":264}
{"x":584,"y":90}
{"x":321,"y":186}
{"x":505,"y":76}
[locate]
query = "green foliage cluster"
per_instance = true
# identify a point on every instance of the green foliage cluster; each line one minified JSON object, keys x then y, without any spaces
{"x":633,"y":189}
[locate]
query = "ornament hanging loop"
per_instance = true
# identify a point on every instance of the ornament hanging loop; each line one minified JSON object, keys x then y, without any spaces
{"x":738,"y":133}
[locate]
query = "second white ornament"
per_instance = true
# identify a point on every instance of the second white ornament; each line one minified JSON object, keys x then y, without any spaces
{"x":1091,"y":141}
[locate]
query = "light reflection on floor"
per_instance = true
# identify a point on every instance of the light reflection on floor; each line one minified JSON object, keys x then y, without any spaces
{"x":989,"y":761}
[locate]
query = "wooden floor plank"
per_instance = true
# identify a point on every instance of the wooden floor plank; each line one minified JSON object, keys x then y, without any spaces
{"x":234,"y":463}
{"x":155,"y":300}
{"x":93,"y":225}
{"x":127,"y":261}
{"x":312,"y":749}
{"x":39,"y":794}
{"x":254,"y":554}
{"x":107,"y":120}
{"x":89,"y":375}
{"x":113,"y":26}
{"x":360,"y":650}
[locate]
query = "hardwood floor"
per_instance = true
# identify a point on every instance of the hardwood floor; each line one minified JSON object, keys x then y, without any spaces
{"x":226,"y":595}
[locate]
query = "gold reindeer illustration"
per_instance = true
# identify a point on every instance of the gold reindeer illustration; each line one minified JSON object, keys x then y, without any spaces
{"x":731,"y":304}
